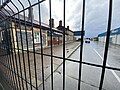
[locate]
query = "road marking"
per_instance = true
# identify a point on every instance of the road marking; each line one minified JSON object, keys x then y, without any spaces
{"x":113,"y":72}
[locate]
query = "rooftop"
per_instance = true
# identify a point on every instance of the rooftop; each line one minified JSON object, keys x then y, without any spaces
{"x":113,"y":32}
{"x":20,"y":18}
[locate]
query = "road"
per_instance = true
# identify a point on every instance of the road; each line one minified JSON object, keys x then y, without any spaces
{"x":92,"y":53}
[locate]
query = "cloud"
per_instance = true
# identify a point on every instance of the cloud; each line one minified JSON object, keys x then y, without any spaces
{"x":96,"y":17}
{"x":73,"y":14}
{"x":96,"y":14}
{"x":116,"y":14}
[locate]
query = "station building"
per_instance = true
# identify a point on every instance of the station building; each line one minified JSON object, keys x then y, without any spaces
{"x":69,"y":34}
{"x":18,"y":29}
{"x":114,"y":36}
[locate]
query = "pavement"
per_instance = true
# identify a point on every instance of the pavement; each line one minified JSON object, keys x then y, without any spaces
{"x":92,"y":53}
{"x":3,"y":85}
{"x":57,"y":51}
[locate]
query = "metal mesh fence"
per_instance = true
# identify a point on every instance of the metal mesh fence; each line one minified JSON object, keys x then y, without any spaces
{"x":24,"y":42}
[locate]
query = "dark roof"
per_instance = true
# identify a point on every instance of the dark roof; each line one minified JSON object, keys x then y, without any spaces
{"x":102,"y":34}
{"x":54,"y":34}
{"x":8,"y":13}
{"x":77,"y":33}
{"x":70,"y":30}
{"x":62,"y":28}
{"x":113,"y":32}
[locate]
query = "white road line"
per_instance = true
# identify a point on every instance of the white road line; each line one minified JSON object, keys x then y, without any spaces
{"x":113,"y":72}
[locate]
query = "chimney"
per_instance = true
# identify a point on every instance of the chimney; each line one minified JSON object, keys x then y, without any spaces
{"x":30,"y":14}
{"x":67,"y":27}
{"x":60,"y":23}
{"x":52,"y":22}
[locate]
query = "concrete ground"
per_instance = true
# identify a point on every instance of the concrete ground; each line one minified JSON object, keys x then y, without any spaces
{"x":22,"y":61}
{"x":57,"y":51}
{"x":92,"y":53}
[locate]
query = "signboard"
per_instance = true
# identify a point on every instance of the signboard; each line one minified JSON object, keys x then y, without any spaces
{"x":78,"y":33}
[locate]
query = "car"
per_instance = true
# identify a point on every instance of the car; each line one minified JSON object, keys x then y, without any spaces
{"x":87,"y":41}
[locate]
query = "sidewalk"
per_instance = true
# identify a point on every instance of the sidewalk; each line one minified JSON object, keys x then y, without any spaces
{"x":70,"y":48}
{"x":3,"y":85}
{"x":57,"y":51}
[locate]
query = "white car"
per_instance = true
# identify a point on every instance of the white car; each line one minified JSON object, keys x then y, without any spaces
{"x":87,"y":41}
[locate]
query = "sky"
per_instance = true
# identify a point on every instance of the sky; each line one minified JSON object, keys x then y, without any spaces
{"x":96,"y":14}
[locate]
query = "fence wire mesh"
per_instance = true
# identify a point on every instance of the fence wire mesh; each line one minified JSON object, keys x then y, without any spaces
{"x":24,"y":44}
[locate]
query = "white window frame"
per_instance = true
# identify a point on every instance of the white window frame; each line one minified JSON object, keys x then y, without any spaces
{"x":36,"y":37}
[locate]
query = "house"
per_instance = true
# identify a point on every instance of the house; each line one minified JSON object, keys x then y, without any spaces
{"x":101,"y":37}
{"x":56,"y":38}
{"x":114,"y":36}
{"x":69,"y":35}
{"x":20,"y":31}
{"x":77,"y":35}
{"x":56,"y":35}
{"x":36,"y":34}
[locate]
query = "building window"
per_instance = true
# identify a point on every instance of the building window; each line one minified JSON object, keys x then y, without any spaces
{"x":17,"y":26}
{"x":1,"y":36}
{"x":37,"y":37}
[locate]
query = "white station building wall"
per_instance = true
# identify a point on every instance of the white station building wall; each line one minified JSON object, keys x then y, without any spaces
{"x":102,"y":39}
{"x":115,"y":39}
{"x":118,"y":39}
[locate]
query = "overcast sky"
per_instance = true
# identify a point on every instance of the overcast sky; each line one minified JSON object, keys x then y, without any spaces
{"x":96,"y":14}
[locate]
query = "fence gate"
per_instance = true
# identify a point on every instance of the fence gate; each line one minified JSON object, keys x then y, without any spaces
{"x":26,"y":43}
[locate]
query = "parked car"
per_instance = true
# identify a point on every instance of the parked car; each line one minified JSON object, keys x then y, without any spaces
{"x":87,"y":41}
